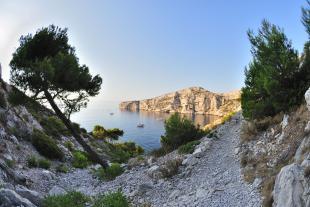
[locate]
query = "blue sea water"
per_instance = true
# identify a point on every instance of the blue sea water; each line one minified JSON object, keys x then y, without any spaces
{"x":148,"y":137}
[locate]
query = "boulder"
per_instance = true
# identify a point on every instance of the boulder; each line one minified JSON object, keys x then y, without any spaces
{"x":289,"y":187}
{"x":33,"y":196}
{"x":154,"y":172}
{"x":307,"y":98}
{"x":143,"y":188}
{"x":9,"y":198}
{"x":56,"y":190}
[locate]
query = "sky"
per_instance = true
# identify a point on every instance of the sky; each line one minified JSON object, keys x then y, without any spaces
{"x":145,"y":48}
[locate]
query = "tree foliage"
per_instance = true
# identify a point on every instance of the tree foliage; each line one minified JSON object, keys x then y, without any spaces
{"x":46,"y":67}
{"x":179,"y":130}
{"x":274,"y":81}
{"x":100,"y":132}
{"x":46,"y":62}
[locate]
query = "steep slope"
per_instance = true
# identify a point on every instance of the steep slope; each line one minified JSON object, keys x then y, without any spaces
{"x":195,"y":100}
{"x":275,"y":152}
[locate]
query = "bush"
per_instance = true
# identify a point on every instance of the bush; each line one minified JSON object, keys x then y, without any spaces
{"x":80,"y":159}
{"x":170,"y":168}
{"x":44,"y":163}
{"x":32,"y":162}
{"x":69,"y":145}
{"x":179,"y":130}
{"x":110,"y":173}
{"x":10,"y":163}
{"x":62,"y":168}
{"x":54,"y":127}
{"x":116,"y":199}
{"x":122,"y":152}
{"x":100,"y":132}
{"x":16,"y":97}
{"x":188,"y":148}
{"x":274,"y":82}
{"x":71,"y":199}
{"x":3,"y":103}
{"x":46,"y":146}
{"x":114,"y":134}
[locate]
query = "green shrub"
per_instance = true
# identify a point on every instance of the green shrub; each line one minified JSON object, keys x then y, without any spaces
{"x":71,"y":199}
{"x":179,"y":130}
{"x":10,"y":163}
{"x":44,"y":163}
{"x":228,"y":117}
{"x":274,"y":80}
{"x":188,"y":148}
{"x":46,"y":146}
{"x":80,"y":159}
{"x":100,"y":132}
{"x":114,"y":134}
{"x":32,"y":162}
{"x":83,"y":130}
{"x":69,"y":145}
{"x":54,"y":126}
{"x":122,"y":152}
{"x":116,"y":199}
{"x":3,"y":103}
{"x":62,"y":168}
{"x":110,"y":173}
{"x":16,"y":97}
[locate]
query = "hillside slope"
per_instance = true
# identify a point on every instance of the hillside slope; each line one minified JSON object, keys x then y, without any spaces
{"x":275,"y":152}
{"x":195,"y":100}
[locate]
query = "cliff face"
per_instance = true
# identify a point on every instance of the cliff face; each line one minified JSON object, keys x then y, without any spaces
{"x":194,"y":100}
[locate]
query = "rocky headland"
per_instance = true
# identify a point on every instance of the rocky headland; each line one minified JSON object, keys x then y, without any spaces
{"x":194,"y":100}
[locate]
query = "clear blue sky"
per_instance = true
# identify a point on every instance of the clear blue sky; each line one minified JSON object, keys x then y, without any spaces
{"x":143,"y":48}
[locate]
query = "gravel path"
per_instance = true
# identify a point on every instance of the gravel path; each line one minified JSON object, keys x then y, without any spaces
{"x":214,"y":180}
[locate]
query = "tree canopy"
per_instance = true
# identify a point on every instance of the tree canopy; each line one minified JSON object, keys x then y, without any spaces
{"x":274,"y":81}
{"x":46,"y":67}
{"x":46,"y":62}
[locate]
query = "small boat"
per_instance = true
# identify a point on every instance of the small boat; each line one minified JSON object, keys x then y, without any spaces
{"x":140,"y":125}
{"x":111,"y":113}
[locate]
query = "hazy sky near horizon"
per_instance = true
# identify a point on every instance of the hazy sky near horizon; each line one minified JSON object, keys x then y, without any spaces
{"x":144,"y":48}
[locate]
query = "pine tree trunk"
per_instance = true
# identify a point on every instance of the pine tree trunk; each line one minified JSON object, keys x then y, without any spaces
{"x":93,"y":155}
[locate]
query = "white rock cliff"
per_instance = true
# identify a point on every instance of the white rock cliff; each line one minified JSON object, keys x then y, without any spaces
{"x":195,"y":100}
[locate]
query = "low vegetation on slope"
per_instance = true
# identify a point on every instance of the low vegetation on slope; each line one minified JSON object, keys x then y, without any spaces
{"x":178,"y":131}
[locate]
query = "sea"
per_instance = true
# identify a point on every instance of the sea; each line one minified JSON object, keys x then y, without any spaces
{"x":108,"y":115}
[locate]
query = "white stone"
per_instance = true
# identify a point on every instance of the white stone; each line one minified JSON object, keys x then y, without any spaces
{"x":10,"y":198}
{"x":307,"y":98}
{"x":284,"y":122}
{"x":56,"y":190}
{"x":288,"y":189}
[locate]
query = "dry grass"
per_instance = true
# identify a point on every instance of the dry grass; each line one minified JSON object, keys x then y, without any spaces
{"x":249,"y":175}
{"x":171,"y":168}
{"x":266,"y":191}
{"x":307,"y":172}
{"x":285,"y":150}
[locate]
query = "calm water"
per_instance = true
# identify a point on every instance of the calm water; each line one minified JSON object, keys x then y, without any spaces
{"x":147,"y":137}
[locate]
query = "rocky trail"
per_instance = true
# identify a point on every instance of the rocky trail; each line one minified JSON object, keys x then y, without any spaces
{"x":210,"y":178}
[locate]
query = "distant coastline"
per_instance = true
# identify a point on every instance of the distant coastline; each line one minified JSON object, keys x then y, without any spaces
{"x":193,"y":100}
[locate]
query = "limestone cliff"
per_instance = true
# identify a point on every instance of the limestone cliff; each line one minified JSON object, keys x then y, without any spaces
{"x":194,"y":100}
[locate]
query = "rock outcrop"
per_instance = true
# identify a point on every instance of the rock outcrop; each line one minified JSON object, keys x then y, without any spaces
{"x":194,"y":100}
